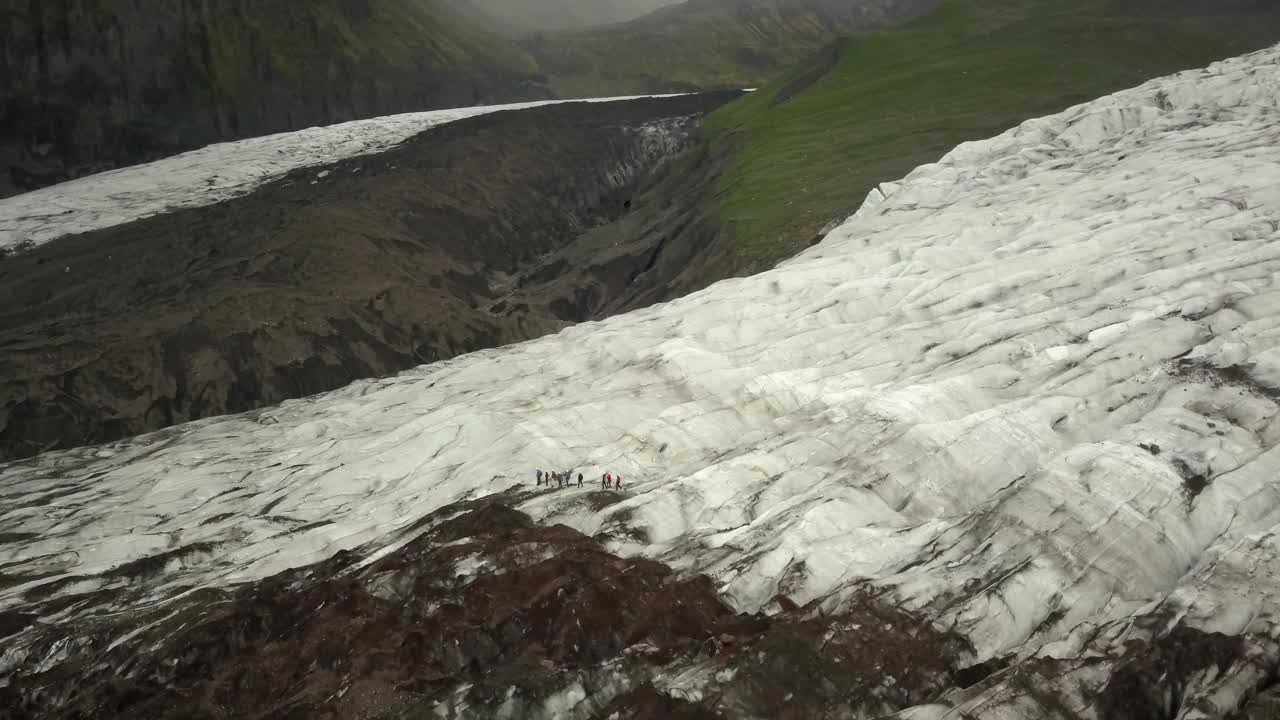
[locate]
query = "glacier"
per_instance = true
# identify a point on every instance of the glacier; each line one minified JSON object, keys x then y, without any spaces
{"x":215,"y":173}
{"x":1029,"y":392}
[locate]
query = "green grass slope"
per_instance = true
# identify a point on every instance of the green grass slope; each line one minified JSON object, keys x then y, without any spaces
{"x":809,"y":146}
{"x":298,"y":37}
{"x":704,"y":43}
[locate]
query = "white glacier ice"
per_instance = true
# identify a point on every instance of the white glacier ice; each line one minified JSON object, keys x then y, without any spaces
{"x":1030,"y":389}
{"x":214,"y":173}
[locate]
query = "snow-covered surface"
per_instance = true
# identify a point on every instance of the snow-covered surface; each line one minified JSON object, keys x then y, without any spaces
{"x":212,"y":174}
{"x":948,"y":397}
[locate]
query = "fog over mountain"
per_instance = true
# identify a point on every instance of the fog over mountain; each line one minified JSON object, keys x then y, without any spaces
{"x":520,"y":16}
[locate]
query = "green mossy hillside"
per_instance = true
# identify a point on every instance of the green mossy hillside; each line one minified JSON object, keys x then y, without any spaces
{"x":808,"y":146}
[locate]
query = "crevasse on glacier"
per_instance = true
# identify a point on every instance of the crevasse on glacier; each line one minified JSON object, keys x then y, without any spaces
{"x":1031,"y":390}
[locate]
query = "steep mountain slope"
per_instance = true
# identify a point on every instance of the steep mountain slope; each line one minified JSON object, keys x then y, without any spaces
{"x":876,"y":105}
{"x":462,"y":238}
{"x":90,"y":85}
{"x":705,"y":43}
{"x":524,"y":16}
{"x":1003,"y":446}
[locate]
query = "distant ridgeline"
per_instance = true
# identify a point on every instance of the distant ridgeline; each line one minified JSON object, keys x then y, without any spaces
{"x":524,"y":16}
{"x":86,"y":85}
{"x":706,"y":43}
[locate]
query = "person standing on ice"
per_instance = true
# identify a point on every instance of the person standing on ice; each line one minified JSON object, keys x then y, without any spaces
{"x":539,"y":476}
{"x":617,"y":482}
{"x":579,"y":479}
{"x":608,"y":481}
{"x":602,"y":479}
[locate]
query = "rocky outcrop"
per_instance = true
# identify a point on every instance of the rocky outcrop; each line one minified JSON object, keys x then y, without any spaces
{"x":475,"y":234}
{"x":484,"y":614}
{"x":479,"y":612}
{"x":87,"y":85}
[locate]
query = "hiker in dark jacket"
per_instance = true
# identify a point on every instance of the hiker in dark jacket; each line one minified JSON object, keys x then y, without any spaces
{"x":539,"y":476}
{"x":579,"y":479}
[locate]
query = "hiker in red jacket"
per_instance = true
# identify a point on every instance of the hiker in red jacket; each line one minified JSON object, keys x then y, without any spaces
{"x":608,"y":481}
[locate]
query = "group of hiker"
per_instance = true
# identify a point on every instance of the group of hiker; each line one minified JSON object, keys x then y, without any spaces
{"x":608,"y":481}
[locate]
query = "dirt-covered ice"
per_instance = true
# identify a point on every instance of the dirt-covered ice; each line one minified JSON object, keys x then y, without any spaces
{"x":211,"y":174}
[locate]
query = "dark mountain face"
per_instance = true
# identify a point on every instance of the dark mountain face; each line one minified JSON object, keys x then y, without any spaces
{"x":87,"y":85}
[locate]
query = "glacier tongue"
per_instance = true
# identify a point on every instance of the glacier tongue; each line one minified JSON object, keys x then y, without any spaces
{"x":1030,"y":390}
{"x":213,"y":174}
